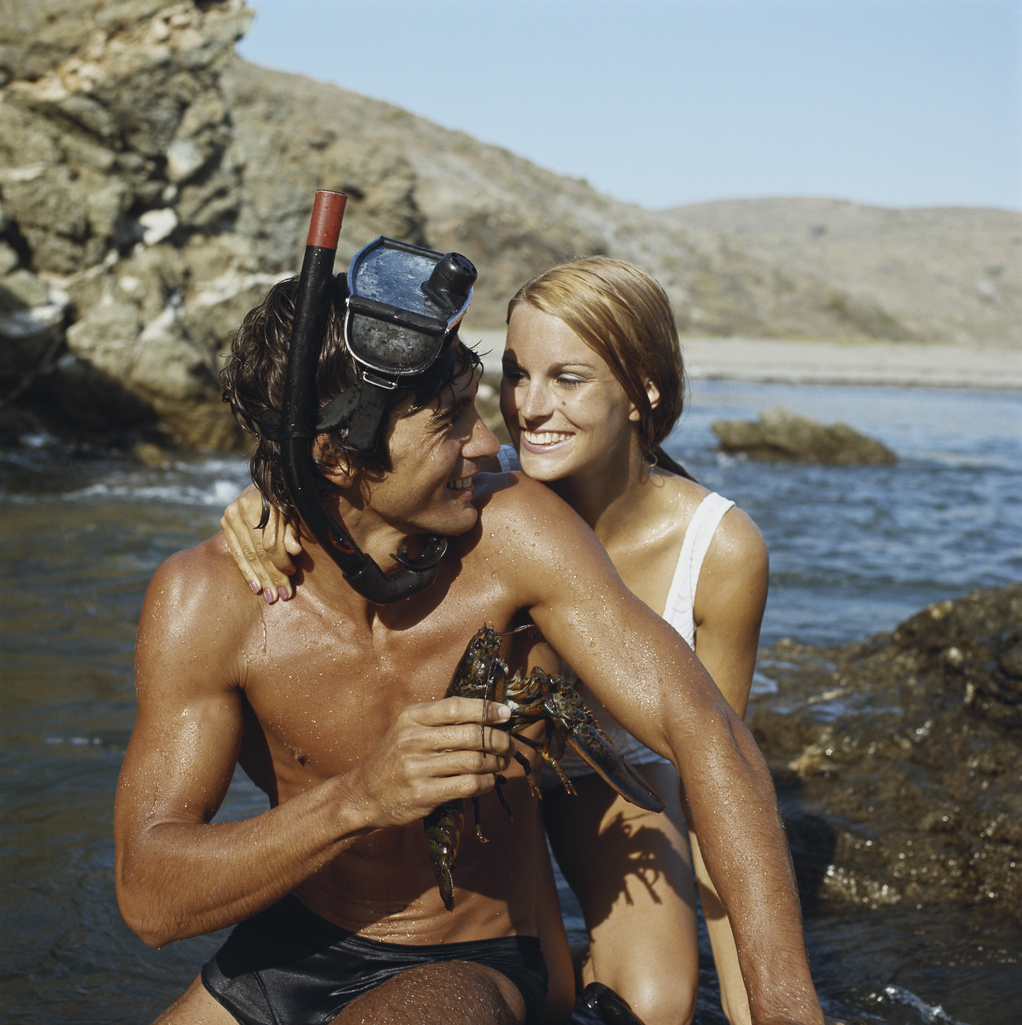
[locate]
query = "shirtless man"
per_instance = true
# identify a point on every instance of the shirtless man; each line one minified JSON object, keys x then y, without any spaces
{"x":333,"y":706}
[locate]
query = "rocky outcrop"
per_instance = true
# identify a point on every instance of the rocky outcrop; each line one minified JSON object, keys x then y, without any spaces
{"x":152,"y":188}
{"x":899,"y":760}
{"x":781,"y":435}
{"x":120,"y":196}
{"x":153,"y":185}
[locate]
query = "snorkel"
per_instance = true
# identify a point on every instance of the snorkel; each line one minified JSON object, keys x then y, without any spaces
{"x":403,"y":311}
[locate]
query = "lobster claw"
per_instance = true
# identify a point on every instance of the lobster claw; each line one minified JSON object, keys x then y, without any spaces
{"x":587,"y":739}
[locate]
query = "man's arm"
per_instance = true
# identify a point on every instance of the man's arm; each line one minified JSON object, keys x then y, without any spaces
{"x":651,"y":681}
{"x":728,"y":611}
{"x":179,"y":874}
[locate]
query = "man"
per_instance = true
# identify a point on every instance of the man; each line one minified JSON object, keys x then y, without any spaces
{"x":332,"y":703}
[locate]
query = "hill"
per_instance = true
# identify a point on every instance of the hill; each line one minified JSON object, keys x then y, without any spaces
{"x":153,"y":184}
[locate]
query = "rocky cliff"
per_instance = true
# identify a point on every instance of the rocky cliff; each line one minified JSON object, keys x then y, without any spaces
{"x":152,"y":186}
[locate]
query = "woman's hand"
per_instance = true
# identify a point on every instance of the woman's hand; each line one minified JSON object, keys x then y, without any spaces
{"x":264,"y":557}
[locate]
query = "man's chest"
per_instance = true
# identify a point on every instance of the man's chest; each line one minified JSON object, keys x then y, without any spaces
{"x":322,"y":694}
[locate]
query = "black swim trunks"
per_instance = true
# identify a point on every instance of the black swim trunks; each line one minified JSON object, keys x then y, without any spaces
{"x":288,"y":965}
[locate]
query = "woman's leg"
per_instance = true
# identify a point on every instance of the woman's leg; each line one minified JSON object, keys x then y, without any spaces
{"x":734,"y":999}
{"x":550,"y":929}
{"x":631,"y":872}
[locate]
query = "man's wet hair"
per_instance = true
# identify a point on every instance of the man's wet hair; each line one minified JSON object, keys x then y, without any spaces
{"x":255,"y":374}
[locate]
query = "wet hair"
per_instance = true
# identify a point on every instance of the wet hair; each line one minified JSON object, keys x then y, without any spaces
{"x":255,"y":374}
{"x":625,"y":317}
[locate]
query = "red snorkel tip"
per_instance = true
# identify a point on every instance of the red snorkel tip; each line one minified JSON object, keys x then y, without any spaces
{"x":327,"y":214}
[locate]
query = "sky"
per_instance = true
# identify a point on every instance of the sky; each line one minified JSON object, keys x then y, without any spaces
{"x":899,"y":103}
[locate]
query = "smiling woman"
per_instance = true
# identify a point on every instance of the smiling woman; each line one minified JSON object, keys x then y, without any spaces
{"x":593,"y":383}
{"x":564,"y":408}
{"x":602,"y":331}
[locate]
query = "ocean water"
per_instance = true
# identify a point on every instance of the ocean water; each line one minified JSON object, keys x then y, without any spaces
{"x":853,"y":551}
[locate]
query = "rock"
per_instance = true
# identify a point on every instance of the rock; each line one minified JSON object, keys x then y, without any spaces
{"x":784,"y":435}
{"x":899,"y":759}
{"x":150,"y":455}
{"x":35,"y":37}
{"x":105,"y":192}
{"x":32,"y":317}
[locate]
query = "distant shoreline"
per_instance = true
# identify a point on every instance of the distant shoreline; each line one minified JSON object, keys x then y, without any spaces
{"x":897,"y":364}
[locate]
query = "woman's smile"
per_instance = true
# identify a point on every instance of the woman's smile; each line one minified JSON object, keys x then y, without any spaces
{"x":543,"y":439}
{"x":564,"y":409}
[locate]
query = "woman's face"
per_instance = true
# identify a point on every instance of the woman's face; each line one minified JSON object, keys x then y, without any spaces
{"x":565,"y":410}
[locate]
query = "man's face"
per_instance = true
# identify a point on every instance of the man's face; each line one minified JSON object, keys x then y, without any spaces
{"x":435,"y":452}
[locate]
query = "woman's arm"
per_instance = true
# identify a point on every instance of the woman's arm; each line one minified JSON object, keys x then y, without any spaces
{"x":264,"y":556}
{"x":729,"y":603}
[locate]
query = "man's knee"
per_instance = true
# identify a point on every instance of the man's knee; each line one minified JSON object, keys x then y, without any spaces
{"x":446,"y":993}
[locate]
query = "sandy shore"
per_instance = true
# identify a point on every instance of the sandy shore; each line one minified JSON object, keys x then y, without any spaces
{"x":890,"y":363}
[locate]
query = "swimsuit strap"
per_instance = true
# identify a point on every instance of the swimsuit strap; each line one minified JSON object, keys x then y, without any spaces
{"x":679,"y":609}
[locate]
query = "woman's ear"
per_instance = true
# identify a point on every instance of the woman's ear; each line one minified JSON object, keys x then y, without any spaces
{"x":653,"y":394}
{"x":332,"y":461}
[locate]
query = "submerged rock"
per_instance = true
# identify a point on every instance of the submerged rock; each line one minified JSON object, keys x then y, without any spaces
{"x":899,"y":760}
{"x":784,"y":435}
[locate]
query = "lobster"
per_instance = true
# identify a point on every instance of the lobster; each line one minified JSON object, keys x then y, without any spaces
{"x":540,"y":695}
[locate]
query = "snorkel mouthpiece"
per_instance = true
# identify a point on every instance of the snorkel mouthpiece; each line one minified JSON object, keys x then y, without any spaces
{"x":403,"y":310}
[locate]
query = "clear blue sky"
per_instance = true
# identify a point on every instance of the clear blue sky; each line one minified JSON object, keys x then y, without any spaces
{"x":665,"y":102}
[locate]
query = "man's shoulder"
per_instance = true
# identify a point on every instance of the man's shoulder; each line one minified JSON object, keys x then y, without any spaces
{"x":522,"y":518}
{"x":206,"y":563}
{"x":514,"y":494}
{"x":200,"y":582}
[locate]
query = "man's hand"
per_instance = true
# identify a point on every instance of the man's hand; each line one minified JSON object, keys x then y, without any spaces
{"x":264,"y":557}
{"x":434,"y":752}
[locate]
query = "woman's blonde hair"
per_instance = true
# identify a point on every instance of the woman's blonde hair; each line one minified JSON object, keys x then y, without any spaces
{"x":625,"y":317}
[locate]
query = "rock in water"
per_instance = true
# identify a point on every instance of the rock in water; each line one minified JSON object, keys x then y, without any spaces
{"x":899,"y":760}
{"x":784,"y":435}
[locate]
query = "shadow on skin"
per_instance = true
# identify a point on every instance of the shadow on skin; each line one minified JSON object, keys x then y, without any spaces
{"x":628,"y":855}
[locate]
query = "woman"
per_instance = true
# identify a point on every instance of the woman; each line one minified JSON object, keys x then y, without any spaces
{"x":592,"y":385}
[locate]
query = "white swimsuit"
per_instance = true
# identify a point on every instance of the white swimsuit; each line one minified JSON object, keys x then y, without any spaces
{"x":677,"y":611}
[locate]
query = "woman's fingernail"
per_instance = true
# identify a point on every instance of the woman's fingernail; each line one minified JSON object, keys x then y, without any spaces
{"x":283,"y":592}
{"x":270,"y":596}
{"x":254,"y":584}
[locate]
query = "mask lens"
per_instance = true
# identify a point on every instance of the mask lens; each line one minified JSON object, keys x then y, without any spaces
{"x":394,"y":277}
{"x":389,"y":348}
{"x":397,"y":324}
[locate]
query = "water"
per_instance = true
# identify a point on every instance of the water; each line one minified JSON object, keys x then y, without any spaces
{"x":853,"y":551}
